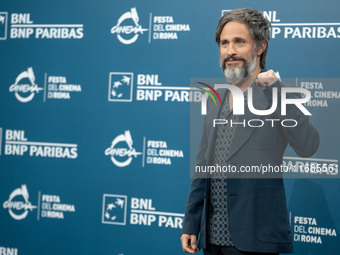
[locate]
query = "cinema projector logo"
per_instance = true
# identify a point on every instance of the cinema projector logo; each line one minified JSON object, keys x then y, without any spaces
{"x":121,"y":148}
{"x":24,"y":87}
{"x":18,"y":204}
{"x":130,"y":32}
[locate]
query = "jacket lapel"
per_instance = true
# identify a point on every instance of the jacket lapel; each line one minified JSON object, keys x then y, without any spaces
{"x":242,"y":133}
{"x":214,"y":113}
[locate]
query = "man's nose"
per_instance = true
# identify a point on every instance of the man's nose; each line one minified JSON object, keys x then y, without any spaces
{"x":231,"y":49}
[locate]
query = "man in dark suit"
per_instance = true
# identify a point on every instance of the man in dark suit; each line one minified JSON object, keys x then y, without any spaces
{"x":240,"y":214}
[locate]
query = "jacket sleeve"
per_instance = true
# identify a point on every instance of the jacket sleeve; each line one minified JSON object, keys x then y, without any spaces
{"x":195,"y":202}
{"x":303,"y":138}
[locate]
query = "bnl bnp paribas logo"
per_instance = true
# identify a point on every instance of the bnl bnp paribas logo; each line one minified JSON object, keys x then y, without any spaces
{"x":3,"y":25}
{"x":128,"y":86}
{"x":24,"y":87}
{"x":141,"y":212}
{"x":114,"y":209}
{"x":18,"y":203}
{"x":120,"y":87}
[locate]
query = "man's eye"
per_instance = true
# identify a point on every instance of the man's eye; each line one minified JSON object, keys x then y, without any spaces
{"x":224,"y":43}
{"x":240,"y":42}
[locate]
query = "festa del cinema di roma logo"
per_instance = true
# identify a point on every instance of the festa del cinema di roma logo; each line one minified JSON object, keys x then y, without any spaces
{"x":24,"y":87}
{"x":128,"y":34}
{"x":121,"y":151}
{"x":18,"y":204}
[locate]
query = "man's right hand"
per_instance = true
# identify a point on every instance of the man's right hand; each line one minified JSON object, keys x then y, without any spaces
{"x":189,"y":243}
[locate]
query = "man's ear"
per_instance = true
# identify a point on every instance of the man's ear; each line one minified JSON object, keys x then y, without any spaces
{"x":262,"y":48}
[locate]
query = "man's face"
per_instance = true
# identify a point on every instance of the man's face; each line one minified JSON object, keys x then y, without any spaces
{"x":238,"y":56}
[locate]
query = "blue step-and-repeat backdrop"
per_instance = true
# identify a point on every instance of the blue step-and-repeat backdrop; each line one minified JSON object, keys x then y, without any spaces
{"x":94,"y":120}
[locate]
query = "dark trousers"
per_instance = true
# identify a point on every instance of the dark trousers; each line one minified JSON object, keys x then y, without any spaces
{"x":229,"y":250}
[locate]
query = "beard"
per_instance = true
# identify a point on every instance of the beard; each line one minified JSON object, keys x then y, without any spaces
{"x":239,"y":75}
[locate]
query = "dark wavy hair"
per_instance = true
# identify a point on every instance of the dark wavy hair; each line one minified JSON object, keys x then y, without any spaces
{"x":258,"y":26}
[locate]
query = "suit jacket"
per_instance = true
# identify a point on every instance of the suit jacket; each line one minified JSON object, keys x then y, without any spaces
{"x":258,"y":216}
